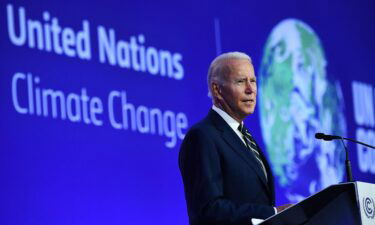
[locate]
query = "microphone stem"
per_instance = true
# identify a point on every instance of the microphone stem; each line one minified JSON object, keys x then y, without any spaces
{"x":348,"y":167}
{"x":349,"y":175}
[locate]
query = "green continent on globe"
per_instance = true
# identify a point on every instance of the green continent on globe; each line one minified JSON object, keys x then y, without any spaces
{"x":296,"y":100}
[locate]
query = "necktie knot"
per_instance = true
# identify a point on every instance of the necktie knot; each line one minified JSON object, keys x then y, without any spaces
{"x":244,"y":131}
{"x":241,"y":128}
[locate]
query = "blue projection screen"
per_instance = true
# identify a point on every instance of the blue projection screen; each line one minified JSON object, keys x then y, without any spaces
{"x":96,"y":98}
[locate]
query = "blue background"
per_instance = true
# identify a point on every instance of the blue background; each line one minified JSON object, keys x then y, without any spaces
{"x":54,"y":171}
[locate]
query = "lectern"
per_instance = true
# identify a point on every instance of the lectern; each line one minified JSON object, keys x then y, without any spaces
{"x":341,"y":204}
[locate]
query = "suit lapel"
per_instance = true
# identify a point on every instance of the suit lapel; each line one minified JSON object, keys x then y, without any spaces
{"x":232,"y":139}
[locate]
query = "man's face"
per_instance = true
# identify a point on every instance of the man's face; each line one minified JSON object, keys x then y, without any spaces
{"x":237,"y":94}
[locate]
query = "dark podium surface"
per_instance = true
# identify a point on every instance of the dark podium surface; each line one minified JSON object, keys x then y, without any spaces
{"x":335,"y":205}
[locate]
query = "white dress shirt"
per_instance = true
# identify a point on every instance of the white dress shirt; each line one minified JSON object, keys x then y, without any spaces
{"x":234,"y":124}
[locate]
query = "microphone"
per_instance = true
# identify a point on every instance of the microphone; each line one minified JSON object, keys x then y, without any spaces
{"x":326,"y":137}
{"x":348,"y":166}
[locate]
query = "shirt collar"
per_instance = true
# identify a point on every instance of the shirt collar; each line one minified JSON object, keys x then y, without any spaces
{"x":228,"y":119}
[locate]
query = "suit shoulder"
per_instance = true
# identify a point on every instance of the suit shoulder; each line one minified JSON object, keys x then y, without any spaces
{"x":199,"y":140}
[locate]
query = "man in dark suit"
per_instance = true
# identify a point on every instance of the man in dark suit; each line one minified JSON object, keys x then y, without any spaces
{"x":226,"y":177}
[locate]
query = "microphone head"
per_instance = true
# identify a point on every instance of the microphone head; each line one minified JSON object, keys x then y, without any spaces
{"x":319,"y":135}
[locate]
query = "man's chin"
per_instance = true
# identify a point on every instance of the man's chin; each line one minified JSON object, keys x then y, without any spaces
{"x":250,"y":110}
{"x":247,"y":113}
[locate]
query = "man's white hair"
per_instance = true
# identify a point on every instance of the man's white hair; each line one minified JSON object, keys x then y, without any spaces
{"x":219,"y":68}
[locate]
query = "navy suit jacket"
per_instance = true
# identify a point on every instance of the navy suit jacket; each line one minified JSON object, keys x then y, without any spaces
{"x":223,"y":182}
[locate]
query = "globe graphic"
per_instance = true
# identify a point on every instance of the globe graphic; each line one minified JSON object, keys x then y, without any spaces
{"x":297,"y":99}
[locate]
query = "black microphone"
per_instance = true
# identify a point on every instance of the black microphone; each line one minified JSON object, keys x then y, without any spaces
{"x":348,"y":167}
{"x":326,"y":137}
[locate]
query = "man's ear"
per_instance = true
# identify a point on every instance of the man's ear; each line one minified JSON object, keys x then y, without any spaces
{"x":216,"y":90}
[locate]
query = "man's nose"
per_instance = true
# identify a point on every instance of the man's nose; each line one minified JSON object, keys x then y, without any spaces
{"x":249,"y":87}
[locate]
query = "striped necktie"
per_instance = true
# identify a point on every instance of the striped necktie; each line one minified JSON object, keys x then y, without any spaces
{"x":251,"y":145}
